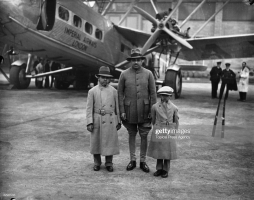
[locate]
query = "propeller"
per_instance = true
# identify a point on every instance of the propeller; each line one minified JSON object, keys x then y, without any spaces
{"x":161,"y":26}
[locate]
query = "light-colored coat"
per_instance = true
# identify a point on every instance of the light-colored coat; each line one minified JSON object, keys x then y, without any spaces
{"x":244,"y":80}
{"x":137,"y":94}
{"x":163,"y":117}
{"x":104,"y":138}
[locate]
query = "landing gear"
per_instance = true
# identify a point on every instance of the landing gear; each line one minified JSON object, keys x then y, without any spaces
{"x":174,"y":79}
{"x":18,"y":77}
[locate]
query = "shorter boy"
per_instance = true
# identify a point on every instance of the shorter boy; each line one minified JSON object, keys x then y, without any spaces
{"x":162,"y":145}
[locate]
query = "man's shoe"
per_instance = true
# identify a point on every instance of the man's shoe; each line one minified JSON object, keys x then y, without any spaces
{"x":157,"y":173}
{"x":239,"y":100}
{"x":131,"y":165}
{"x":110,"y":168}
{"x":164,"y":174}
{"x":144,"y":167}
{"x":96,"y":168}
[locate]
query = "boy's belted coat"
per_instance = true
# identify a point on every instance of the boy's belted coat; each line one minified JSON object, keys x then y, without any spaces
{"x":104,"y":138}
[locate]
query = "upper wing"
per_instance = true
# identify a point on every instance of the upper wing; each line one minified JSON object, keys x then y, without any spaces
{"x":234,"y":46}
{"x":136,"y":37}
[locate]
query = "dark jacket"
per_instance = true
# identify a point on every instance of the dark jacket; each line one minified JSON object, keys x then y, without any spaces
{"x":215,"y":74}
{"x":228,"y":77}
{"x":136,"y":94}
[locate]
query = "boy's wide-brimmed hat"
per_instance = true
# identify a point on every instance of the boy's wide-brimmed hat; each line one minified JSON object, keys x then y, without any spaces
{"x":135,"y":54}
{"x":166,"y":90}
{"x":104,"y":71}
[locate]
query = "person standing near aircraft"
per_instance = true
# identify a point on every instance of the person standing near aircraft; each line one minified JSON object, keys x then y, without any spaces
{"x":243,"y":82}
{"x":215,"y":75}
{"x":228,"y":78}
{"x":137,"y":94}
{"x":103,"y":120}
{"x":40,"y":69}
{"x":46,"y":69}
{"x":164,"y":117}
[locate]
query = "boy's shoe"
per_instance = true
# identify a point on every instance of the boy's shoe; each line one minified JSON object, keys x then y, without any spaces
{"x":110,"y":168}
{"x":164,"y":174}
{"x":96,"y":168}
{"x":131,"y":165}
{"x":158,"y":172}
{"x":144,"y":167}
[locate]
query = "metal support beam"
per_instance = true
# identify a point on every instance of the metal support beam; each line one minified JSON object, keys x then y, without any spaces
{"x":134,"y":2}
{"x":155,"y":5}
{"x":107,"y":7}
{"x":201,"y":28}
{"x":193,"y":12}
{"x":49,"y":73}
{"x":5,"y":75}
{"x":28,"y":62}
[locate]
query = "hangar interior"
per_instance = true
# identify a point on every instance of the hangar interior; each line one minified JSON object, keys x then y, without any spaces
{"x":235,"y":18}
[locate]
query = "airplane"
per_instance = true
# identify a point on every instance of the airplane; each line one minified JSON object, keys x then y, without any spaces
{"x":73,"y":34}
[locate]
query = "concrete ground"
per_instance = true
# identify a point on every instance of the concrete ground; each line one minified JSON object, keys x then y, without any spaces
{"x":44,"y":148}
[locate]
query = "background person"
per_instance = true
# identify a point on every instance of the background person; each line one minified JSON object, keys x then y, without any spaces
{"x":103,"y":120}
{"x":228,"y":78}
{"x":243,"y":82}
{"x":137,"y":94}
{"x":164,"y":115}
{"x":215,"y":76}
{"x":40,"y":69}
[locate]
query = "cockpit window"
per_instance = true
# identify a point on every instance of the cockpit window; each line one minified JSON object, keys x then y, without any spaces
{"x":77,"y":21}
{"x":63,"y":13}
{"x":98,"y":34}
{"x":89,"y":28}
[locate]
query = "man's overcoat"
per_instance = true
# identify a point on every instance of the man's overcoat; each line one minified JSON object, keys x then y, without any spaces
{"x":104,"y":138}
{"x":136,"y":94}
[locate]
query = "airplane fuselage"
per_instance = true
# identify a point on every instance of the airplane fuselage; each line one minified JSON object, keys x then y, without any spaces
{"x":65,"y":31}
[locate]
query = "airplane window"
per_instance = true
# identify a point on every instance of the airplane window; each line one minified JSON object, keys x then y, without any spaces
{"x":89,"y":28}
{"x":98,"y":34}
{"x":63,"y":13}
{"x":77,"y":21}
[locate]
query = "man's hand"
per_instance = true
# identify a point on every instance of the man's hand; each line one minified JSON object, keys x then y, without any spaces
{"x":90,"y":127}
{"x":118,"y":126}
{"x":123,"y":116}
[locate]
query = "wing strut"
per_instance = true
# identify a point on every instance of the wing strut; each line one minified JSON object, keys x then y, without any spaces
{"x":134,"y":2}
{"x":193,"y":12}
{"x":201,"y":28}
{"x":107,"y":7}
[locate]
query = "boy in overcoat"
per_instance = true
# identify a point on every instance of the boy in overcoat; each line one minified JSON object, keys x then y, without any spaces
{"x":103,"y":120}
{"x":162,"y":145}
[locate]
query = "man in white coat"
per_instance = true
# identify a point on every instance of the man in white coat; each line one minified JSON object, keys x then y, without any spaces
{"x":103,"y":120}
{"x":243,"y":82}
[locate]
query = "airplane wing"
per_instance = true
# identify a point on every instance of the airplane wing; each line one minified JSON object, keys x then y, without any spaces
{"x":137,"y":37}
{"x":223,"y":47}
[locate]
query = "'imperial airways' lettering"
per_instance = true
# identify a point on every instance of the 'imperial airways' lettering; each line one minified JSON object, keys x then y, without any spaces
{"x":79,"y":45}
{"x":72,"y":33}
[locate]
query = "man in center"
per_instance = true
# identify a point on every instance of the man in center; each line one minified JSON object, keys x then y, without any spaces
{"x":137,"y":94}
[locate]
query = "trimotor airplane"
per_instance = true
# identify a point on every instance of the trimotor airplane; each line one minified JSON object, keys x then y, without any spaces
{"x":73,"y":34}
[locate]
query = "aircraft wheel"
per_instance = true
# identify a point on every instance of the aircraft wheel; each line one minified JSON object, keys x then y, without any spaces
{"x":174,"y":79}
{"x":18,"y":77}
